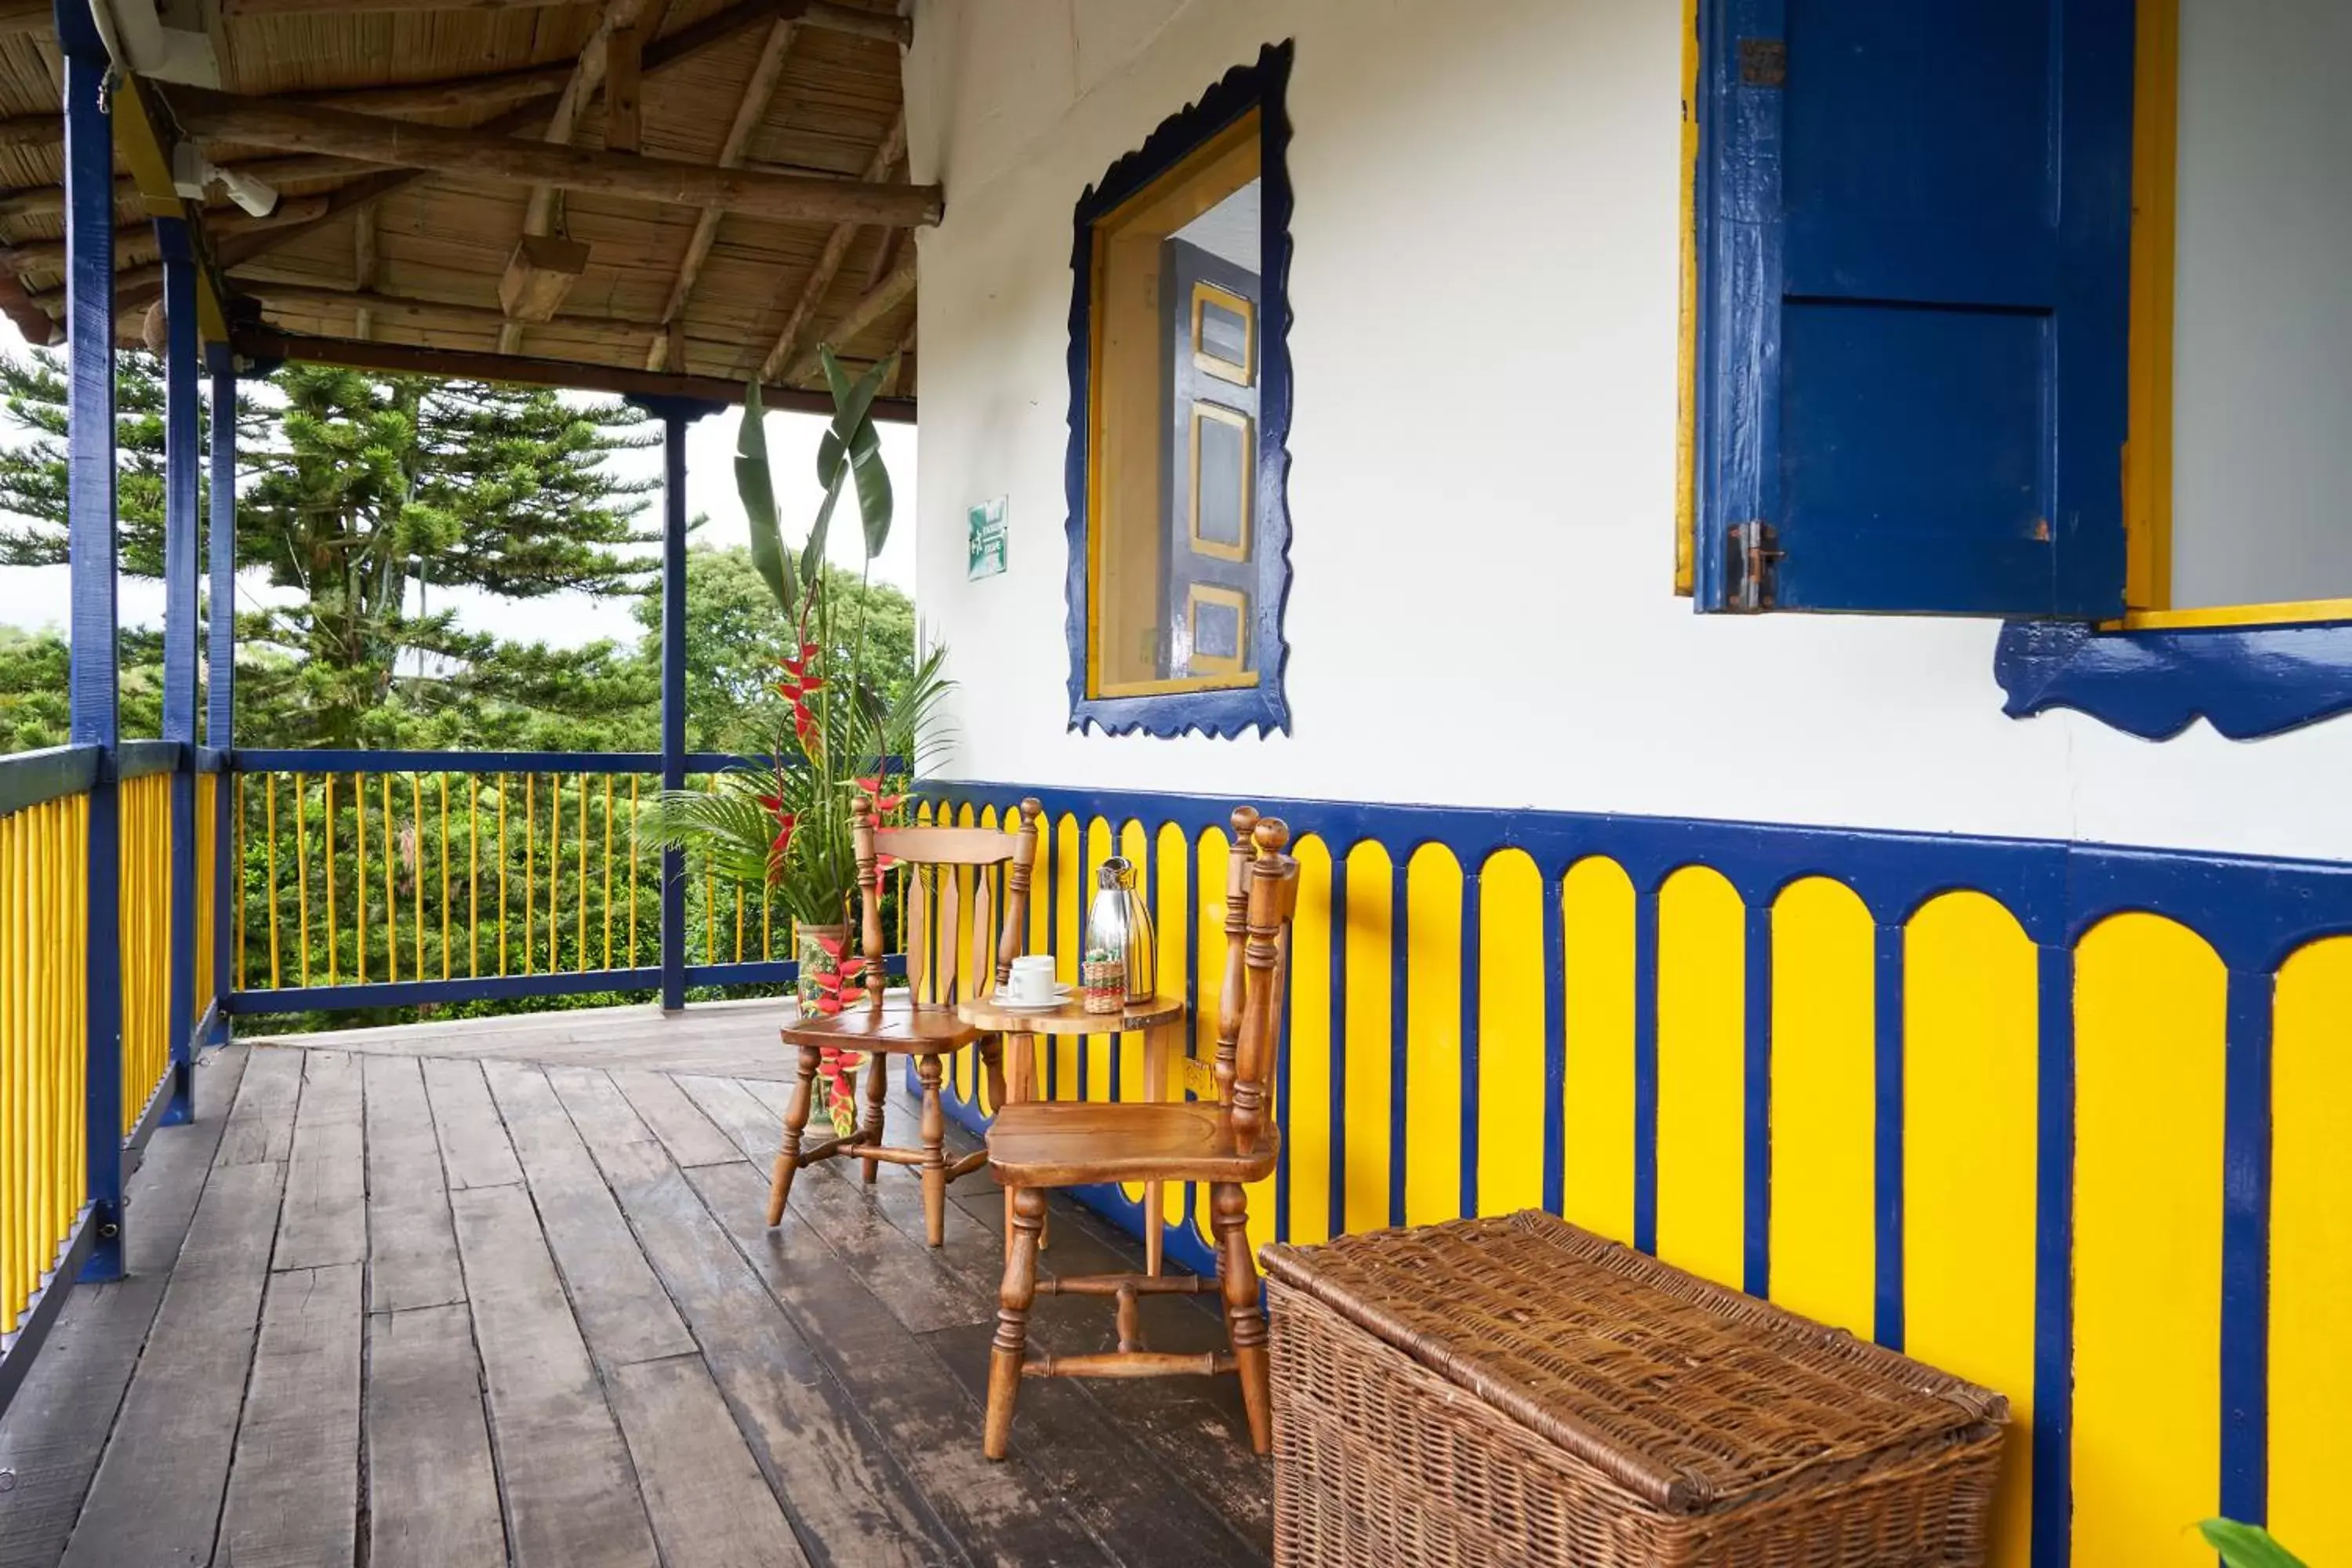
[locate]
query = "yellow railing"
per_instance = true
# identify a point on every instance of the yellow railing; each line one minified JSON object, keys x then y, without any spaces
{"x":146,"y":924}
{"x":44,"y":945}
{"x":355,"y":879}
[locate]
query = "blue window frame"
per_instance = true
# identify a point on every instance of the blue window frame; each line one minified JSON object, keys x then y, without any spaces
{"x":1180,"y":417}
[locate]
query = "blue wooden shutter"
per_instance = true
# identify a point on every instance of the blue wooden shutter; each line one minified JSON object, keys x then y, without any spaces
{"x":1916,"y":224}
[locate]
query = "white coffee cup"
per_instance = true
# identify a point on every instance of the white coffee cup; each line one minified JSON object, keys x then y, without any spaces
{"x":1032,"y":979}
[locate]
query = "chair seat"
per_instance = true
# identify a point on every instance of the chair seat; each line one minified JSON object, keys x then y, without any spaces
{"x":900,"y":1026}
{"x":1051,"y":1144}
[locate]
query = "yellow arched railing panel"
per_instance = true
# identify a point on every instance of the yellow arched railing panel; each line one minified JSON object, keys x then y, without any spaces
{"x":2150,"y":1010}
{"x":1369,"y":920}
{"x":1433,"y":1111}
{"x":1596,"y":900}
{"x":1702,"y":1074}
{"x":1824,"y":1078}
{"x":2311,"y":1250}
{"x":1510,"y":1034}
{"x":1307,"y":1119}
{"x":1970,"y":1089}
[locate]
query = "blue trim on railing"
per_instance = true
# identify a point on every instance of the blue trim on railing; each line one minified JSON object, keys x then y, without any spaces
{"x":1645,"y":1071}
{"x":1473,"y":925}
{"x":257,"y":760}
{"x":512,"y":987}
{"x":2054,"y":1258}
{"x":2246,"y":1250}
{"x":31,"y":778}
{"x":1756,"y":1104}
{"x":2246,"y":681}
{"x":1400,"y":1030}
{"x":1555,"y":1027}
{"x":211,"y":760}
{"x":1886,"y":1143}
{"x":1262,"y":86}
{"x":215,"y":756}
{"x":139,"y":759}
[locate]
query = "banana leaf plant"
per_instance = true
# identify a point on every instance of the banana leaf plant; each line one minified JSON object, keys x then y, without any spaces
{"x":781,"y":827}
{"x":2246,"y":1545}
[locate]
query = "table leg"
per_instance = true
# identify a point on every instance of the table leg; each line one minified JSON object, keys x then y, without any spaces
{"x":1019,"y":1056}
{"x":1155,"y":1196}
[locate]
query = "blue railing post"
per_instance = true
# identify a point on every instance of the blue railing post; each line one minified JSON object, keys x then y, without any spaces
{"x":90,"y":508}
{"x":179,"y":458}
{"x":220,"y":677}
{"x":676,"y":414}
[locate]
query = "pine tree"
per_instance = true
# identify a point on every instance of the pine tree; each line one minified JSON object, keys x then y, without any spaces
{"x":353,"y":485}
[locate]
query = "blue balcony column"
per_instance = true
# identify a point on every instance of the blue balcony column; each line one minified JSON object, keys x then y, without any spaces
{"x":92,"y":682}
{"x":676,"y":414}
{"x":180,"y":460}
{"x":220,"y":673}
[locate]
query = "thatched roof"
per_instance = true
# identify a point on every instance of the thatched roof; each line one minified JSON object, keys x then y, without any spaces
{"x":757,"y":207}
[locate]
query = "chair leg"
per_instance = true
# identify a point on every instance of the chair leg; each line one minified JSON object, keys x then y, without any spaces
{"x":788,"y":1154}
{"x":869,"y":1126}
{"x":935,"y":1159}
{"x":1010,"y":1347}
{"x":1244,"y":1318}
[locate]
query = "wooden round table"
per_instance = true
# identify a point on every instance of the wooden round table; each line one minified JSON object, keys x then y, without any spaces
{"x":1159,"y":1019}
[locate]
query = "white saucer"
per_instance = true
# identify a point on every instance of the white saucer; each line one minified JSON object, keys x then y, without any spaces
{"x":1062,"y":993}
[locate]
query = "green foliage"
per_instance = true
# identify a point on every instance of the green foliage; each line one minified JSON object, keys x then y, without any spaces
{"x":2246,"y":1545}
{"x":352,"y":487}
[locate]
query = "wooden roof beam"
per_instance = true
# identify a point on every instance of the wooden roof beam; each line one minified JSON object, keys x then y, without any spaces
{"x":403,"y":359}
{"x":672,"y":50}
{"x":829,"y":260}
{"x":211,"y":116}
{"x":834,"y":18}
{"x":750,"y":110}
{"x":136,"y":242}
{"x":871,"y":306}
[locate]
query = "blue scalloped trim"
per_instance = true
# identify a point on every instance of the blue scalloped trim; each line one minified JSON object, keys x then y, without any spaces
{"x":2246,"y":681}
{"x":1220,"y":715}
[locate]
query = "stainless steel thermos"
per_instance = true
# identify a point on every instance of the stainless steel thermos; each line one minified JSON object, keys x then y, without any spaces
{"x":1120,"y":960}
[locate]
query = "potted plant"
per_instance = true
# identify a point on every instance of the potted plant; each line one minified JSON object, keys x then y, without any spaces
{"x":780,"y":824}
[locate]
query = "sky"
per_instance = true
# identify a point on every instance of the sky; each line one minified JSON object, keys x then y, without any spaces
{"x":32,"y":597}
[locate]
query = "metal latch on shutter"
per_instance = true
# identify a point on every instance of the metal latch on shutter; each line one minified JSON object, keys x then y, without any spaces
{"x":1752,"y":565}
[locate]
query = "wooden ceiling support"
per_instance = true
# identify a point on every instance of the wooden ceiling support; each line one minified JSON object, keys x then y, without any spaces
{"x":624,"y":52}
{"x":134,"y":241}
{"x":871,"y":306}
{"x":835,"y":18}
{"x":539,"y":274}
{"x":829,"y":260}
{"x":364,"y":266}
{"x":667,"y":351}
{"x":212,"y":116}
{"x":402,"y":359}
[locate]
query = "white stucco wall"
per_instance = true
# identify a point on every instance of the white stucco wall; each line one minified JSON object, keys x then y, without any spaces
{"x":1480,"y":610}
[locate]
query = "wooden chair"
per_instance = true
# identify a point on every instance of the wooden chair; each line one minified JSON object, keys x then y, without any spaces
{"x":906,"y":1025}
{"x":1040,"y":1144}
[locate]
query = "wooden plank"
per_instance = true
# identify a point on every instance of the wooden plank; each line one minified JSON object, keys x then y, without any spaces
{"x":751,"y":1126}
{"x":621,"y":1308}
{"x":624,"y":50}
{"x":828,"y":262}
{"x":690,"y":1137}
{"x":293,"y":1491}
{"x":1009,"y":1512}
{"x":572,"y":1496}
{"x":709,"y":1501}
{"x":261,"y":1122}
{"x":474,"y":1147}
{"x":324,"y":1217}
{"x":411,"y":1251}
{"x":157,"y":1494}
{"x":597,"y":1107}
{"x":432,"y":1496}
{"x":57,"y":1425}
{"x":212,"y":116}
{"x":849,"y":1501}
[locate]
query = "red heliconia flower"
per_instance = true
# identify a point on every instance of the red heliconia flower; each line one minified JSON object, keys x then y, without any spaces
{"x":831,"y":944}
{"x":883,"y":803}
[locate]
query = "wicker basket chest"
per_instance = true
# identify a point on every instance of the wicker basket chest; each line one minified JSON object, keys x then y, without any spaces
{"x":1515,"y":1390}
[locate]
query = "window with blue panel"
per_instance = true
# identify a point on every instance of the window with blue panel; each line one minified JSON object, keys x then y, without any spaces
{"x":1180,"y":407}
{"x":2033,"y":309}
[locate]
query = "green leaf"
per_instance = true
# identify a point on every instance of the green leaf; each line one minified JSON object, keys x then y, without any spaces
{"x":755,"y":484}
{"x":812,"y":553}
{"x":2246,"y":1545}
{"x":854,"y":438}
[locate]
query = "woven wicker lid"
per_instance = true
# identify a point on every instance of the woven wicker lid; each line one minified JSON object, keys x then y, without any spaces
{"x":1693,"y":1398}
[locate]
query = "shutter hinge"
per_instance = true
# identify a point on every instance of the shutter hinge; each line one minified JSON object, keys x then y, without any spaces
{"x":1752,"y":565}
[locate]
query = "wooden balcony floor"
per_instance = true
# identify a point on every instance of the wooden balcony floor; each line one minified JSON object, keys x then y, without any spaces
{"x":499,"y":1291}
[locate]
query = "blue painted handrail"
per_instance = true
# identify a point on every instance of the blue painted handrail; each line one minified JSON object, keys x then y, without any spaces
{"x":29,"y":778}
{"x":137,"y":759}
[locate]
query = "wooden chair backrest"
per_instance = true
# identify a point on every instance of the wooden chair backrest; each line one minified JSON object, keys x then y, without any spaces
{"x":933,"y":894}
{"x":1261,"y":901}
